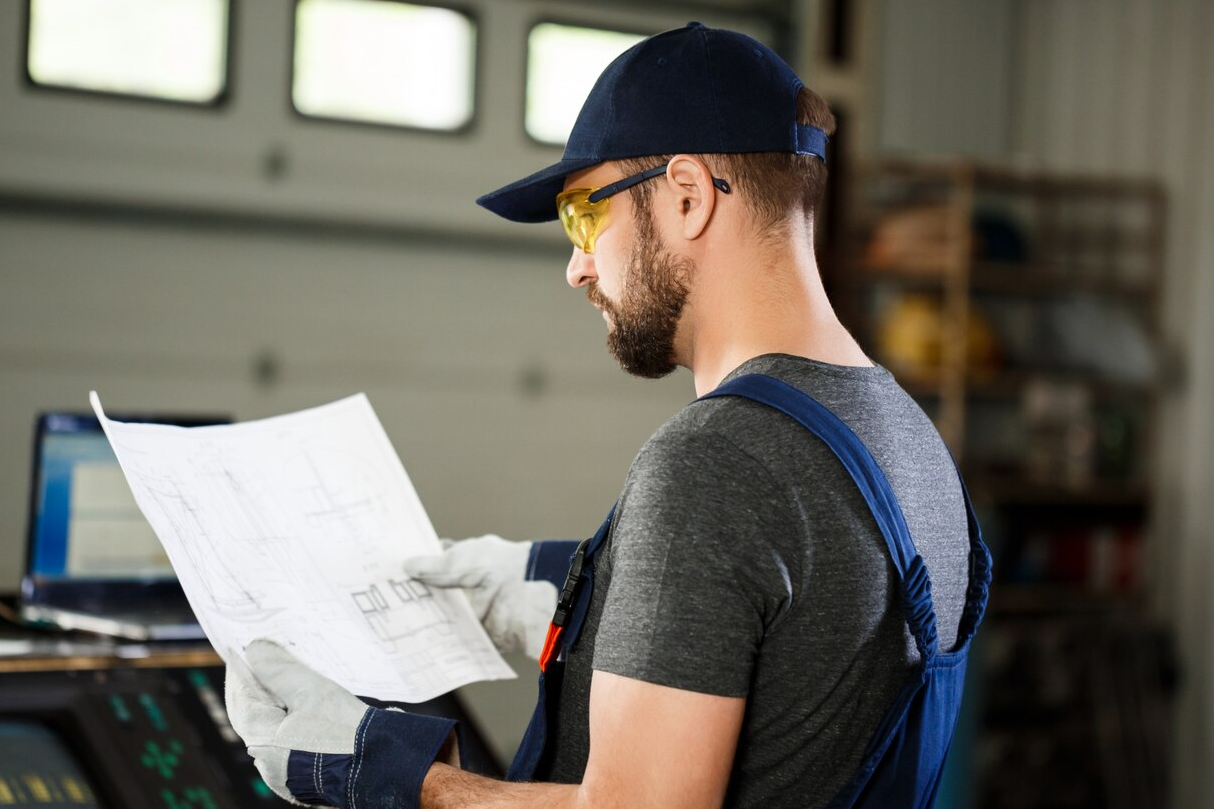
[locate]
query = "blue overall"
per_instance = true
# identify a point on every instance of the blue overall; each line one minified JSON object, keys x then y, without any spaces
{"x":905,"y":757}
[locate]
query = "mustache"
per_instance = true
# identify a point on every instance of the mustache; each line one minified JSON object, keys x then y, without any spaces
{"x":597,"y":298}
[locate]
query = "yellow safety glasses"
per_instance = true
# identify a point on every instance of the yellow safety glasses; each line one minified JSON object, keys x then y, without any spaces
{"x":583,"y":211}
{"x":582,"y":218}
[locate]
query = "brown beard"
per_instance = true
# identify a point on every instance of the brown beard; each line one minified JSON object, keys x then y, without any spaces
{"x":644,"y":323}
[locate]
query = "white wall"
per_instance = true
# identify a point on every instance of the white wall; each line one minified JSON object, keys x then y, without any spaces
{"x":446,"y":341}
{"x":143,"y":248}
{"x":144,"y":252}
{"x":945,"y":81}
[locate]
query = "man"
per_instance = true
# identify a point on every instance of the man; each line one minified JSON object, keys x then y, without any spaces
{"x":753,"y":625}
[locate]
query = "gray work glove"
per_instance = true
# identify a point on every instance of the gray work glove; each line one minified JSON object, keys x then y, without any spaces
{"x":493,"y":572}
{"x":317,"y":744}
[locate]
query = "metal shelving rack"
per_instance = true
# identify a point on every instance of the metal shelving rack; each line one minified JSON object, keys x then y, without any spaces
{"x":975,"y":241}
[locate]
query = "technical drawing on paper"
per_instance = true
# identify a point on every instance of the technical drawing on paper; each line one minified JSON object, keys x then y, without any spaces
{"x":342,"y":494}
{"x":296,"y":528}
{"x":405,"y":609}
{"x":218,"y":528}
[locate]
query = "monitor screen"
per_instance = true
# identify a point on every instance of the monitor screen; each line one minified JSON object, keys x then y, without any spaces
{"x":85,"y":523}
{"x":38,"y":770}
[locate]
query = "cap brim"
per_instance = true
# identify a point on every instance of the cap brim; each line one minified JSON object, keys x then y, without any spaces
{"x":533,"y":198}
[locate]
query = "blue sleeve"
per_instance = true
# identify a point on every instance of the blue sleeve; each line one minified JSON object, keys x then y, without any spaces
{"x":549,"y":561}
{"x":393,"y":751}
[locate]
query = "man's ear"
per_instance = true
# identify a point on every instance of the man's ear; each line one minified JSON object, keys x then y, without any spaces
{"x":691,"y":181}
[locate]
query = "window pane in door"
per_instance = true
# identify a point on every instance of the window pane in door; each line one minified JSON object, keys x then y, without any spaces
{"x":174,"y":50}
{"x":384,"y":62}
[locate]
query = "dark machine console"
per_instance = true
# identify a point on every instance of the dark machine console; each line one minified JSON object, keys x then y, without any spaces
{"x":128,"y":738}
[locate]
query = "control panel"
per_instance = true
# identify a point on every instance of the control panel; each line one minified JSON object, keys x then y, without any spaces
{"x":123,"y":738}
{"x":144,"y":738}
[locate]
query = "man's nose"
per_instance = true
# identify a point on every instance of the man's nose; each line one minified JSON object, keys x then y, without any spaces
{"x":580,"y":271}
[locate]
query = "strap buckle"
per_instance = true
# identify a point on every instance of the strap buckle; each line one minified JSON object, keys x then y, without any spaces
{"x":564,"y":605}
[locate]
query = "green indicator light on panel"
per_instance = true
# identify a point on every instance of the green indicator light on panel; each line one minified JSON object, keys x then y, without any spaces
{"x":163,"y":760}
{"x":190,"y":798}
{"x":155,"y":715}
{"x":121,"y":712}
{"x":199,"y":798}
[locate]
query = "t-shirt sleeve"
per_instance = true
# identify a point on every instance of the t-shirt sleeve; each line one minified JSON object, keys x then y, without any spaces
{"x":697,"y":576}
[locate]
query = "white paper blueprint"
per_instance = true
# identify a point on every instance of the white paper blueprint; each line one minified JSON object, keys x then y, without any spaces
{"x":294,"y":528}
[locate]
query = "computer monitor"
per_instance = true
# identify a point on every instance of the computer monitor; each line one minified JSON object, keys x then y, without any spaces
{"x":92,"y":560}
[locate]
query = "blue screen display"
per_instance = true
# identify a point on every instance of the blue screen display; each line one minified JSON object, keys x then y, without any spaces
{"x":85,"y":521}
{"x":66,"y":442}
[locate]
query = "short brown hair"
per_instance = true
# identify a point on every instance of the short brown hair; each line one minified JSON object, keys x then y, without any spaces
{"x":775,"y":185}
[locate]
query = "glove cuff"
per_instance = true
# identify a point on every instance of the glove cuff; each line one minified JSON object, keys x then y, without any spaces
{"x":319,"y":779}
{"x":393,"y":751}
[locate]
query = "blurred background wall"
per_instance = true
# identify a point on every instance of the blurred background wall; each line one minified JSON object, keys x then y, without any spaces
{"x":1113,"y":89}
{"x":249,"y":261}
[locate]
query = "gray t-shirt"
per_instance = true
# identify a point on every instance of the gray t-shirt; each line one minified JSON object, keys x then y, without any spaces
{"x":743,"y":562}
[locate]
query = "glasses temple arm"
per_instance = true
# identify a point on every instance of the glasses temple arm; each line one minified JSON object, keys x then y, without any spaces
{"x":626,"y":183}
{"x":637,"y":179}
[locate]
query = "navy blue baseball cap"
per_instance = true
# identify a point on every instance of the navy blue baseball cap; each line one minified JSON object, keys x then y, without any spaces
{"x":692,"y":90}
